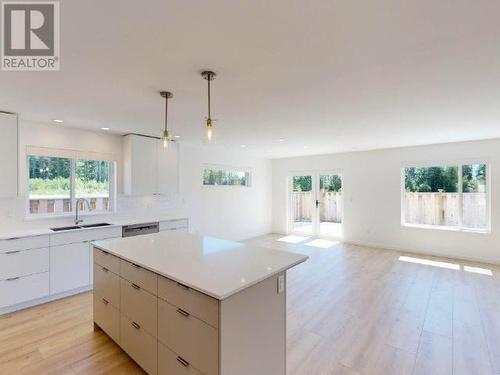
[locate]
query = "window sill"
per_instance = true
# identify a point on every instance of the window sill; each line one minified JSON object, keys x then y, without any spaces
{"x":447,"y":228}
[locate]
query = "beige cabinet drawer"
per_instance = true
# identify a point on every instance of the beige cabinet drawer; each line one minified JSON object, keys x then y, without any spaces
{"x":107,"y":260}
{"x":198,"y":304}
{"x":170,"y":363}
{"x":107,"y":285}
{"x":139,"y":305}
{"x":139,"y":276}
{"x":107,"y":317}
{"x":194,"y":340}
{"x":139,"y":344}
{"x":23,"y":243}
{"x":17,"y":263}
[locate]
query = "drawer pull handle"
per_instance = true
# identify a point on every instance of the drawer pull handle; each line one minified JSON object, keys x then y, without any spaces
{"x":136,"y":326}
{"x":13,"y":278}
{"x":13,"y":238}
{"x":13,"y":252}
{"x":183,"y":286}
{"x":182,"y":361}
{"x":135,"y":286}
{"x":105,"y":269}
{"x":105,"y":301}
{"x":183,"y":312}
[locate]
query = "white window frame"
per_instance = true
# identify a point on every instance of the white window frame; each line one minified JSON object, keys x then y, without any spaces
{"x":450,"y":163}
{"x":73,"y":156}
{"x":248,"y":175}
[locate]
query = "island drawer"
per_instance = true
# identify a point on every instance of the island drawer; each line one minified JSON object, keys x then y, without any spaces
{"x":172,"y":364}
{"x":105,"y":259}
{"x":23,"y":243}
{"x":139,"y":276}
{"x":195,"y":303}
{"x":192,"y":339}
{"x":107,"y":317}
{"x":139,"y":305}
{"x":140,"y":345}
{"x":107,"y":285}
{"x":18,"y":263}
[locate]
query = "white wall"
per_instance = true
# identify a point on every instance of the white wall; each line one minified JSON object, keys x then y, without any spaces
{"x":230,"y":212}
{"x":57,"y":136}
{"x":372,"y":198}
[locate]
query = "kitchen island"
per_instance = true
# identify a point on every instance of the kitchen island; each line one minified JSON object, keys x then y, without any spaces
{"x":178,"y":303}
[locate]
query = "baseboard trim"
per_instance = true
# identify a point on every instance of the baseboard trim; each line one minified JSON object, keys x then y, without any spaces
{"x":41,"y":301}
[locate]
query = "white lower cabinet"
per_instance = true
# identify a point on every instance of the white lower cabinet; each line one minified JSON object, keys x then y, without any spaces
{"x":21,"y":289}
{"x":69,"y":267}
{"x":18,"y":263}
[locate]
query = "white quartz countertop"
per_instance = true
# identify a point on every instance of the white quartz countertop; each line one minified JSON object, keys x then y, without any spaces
{"x":218,"y":268}
{"x":40,"y":228}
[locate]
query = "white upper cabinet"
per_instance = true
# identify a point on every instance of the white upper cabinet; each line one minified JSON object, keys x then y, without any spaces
{"x":168,"y":168}
{"x":8,"y":155}
{"x":148,"y":167}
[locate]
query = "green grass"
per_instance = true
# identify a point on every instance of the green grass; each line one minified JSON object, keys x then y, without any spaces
{"x":62,"y":186}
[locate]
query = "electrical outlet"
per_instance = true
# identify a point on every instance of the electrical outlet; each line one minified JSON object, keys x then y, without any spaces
{"x":281,"y":284}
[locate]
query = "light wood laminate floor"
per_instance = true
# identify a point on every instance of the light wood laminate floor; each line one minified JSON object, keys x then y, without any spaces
{"x":351,"y":310}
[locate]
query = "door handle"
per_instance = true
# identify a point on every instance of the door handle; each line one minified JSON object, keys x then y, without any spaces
{"x":317,"y":203}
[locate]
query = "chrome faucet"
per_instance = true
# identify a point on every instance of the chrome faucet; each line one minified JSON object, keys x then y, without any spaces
{"x":77,"y":219}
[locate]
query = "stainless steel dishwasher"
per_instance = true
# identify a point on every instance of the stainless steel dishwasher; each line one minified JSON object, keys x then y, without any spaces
{"x":139,"y":229}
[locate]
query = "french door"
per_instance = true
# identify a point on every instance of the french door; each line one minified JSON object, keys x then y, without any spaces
{"x":315,"y":206}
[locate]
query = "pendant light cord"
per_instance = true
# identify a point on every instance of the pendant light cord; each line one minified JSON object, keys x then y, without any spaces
{"x":166,"y":112}
{"x":209,"y":79}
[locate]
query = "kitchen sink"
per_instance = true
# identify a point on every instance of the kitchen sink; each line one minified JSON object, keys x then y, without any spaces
{"x":95,"y":225}
{"x":58,"y":229}
{"x":74,"y":227}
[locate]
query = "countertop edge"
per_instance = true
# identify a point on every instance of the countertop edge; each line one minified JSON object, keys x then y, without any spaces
{"x":220,"y":297}
{"x":46,"y":231}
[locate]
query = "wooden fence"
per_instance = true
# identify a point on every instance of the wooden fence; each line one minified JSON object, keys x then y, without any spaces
{"x":330,"y":208}
{"x":58,"y":205}
{"x":444,"y":208}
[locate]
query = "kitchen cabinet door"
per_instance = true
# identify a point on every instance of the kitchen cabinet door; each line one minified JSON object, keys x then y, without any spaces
{"x":168,"y":175}
{"x":8,"y":155}
{"x":140,"y":165}
{"x":69,"y":267}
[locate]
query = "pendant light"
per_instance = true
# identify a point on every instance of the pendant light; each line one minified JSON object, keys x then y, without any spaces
{"x":166,"y":138}
{"x":210,"y":137}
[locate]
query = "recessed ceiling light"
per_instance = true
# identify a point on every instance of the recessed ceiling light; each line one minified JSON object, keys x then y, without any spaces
{"x":243,"y":146}
{"x":104,"y":128}
{"x":177,"y":136}
{"x":58,"y":121}
{"x":281,"y":140}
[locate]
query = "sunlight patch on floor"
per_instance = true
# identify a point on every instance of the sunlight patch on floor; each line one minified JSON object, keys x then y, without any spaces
{"x":292,"y":239}
{"x":481,"y":271}
{"x":451,"y":266}
{"x":428,"y":262}
{"x":324,"y":244}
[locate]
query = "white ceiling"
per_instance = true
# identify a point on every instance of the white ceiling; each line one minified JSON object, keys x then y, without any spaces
{"x":328,"y":76}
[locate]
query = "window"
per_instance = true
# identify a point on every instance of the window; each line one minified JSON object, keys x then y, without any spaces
{"x":453,"y":196}
{"x":55,"y":183}
{"x":220,"y":176}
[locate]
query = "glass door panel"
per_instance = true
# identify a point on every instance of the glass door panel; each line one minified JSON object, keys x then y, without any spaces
{"x":302,"y":211}
{"x":329,"y":205}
